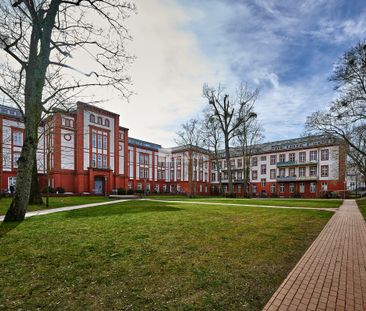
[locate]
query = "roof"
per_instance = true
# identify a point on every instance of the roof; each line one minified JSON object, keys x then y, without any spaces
{"x":143,"y":143}
{"x":10,"y":111}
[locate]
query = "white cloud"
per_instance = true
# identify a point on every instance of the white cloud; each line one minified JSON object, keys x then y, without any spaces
{"x":167,"y":75}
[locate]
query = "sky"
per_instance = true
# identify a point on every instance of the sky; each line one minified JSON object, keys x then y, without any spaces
{"x":285,"y":48}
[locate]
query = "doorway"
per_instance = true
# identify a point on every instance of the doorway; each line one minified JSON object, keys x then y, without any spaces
{"x":99,"y":185}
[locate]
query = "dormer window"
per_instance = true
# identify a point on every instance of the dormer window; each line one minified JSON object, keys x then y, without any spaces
{"x":92,"y":118}
{"x":100,"y":120}
{"x":106,"y":122}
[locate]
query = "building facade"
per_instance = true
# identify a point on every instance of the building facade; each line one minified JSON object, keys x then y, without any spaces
{"x":303,"y":167}
{"x":87,"y":151}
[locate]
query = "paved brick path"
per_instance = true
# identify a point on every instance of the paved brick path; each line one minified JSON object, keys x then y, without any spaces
{"x":332,"y":273}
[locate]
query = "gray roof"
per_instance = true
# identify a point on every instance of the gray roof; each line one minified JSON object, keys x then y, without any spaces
{"x":10,"y":111}
{"x":142,"y":143}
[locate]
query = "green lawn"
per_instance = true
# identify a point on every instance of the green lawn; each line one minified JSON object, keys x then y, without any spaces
{"x":323,"y":203}
{"x":362,"y":206}
{"x":55,"y":202}
{"x":143,"y":255}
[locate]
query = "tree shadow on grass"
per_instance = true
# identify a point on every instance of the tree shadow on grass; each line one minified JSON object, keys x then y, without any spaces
{"x":121,"y":209}
{"x":6,"y":227}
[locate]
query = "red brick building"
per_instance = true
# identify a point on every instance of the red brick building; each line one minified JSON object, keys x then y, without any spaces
{"x":87,"y":151}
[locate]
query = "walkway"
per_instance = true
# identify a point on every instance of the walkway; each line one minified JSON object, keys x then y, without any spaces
{"x":332,"y":273}
{"x":68,"y":208}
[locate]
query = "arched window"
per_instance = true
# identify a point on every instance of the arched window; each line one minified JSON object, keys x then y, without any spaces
{"x":106,"y":122}
{"x":100,"y":120}
{"x":92,"y":118}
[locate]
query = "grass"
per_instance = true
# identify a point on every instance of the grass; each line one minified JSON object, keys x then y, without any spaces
{"x":142,"y":255}
{"x":362,"y":206}
{"x":323,"y":203}
{"x":55,"y":202}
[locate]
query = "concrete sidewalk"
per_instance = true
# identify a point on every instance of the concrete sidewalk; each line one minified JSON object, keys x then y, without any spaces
{"x":68,"y":208}
{"x":332,"y":273}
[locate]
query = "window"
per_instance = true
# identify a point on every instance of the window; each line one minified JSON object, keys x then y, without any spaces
{"x":292,"y":172}
{"x":324,"y":186}
{"x":292,"y":157}
{"x":226,"y":176}
{"x":224,"y":164}
{"x":302,"y":171}
{"x":106,"y":122}
{"x":263,"y":169}
{"x":254,"y":175}
{"x":282,"y":157}
{"x":254,"y":161}
{"x":139,"y":186}
{"x":213,"y":165}
{"x":17,"y":138}
{"x":94,"y":140}
{"x":16,"y":156}
{"x":292,"y":188}
{"x":240,"y":162}
{"x":68,"y":122}
{"x":100,"y":146}
{"x":121,"y":135}
{"x":312,"y":171}
{"x":100,"y":120}
{"x":325,"y":155}
{"x":213,"y":177}
{"x":282,"y":187}
{"x":273,"y":174}
{"x":324,"y":169}
{"x":273,"y":188}
{"x":200,"y":188}
{"x":99,"y":160}
{"x":302,"y":156}
{"x":129,"y":185}
{"x":94,"y":160}
{"x":263,"y":158}
{"x":105,"y":142}
{"x":273,"y":159}
{"x":313,"y":155}
{"x":302,"y":187}
{"x":254,"y":189}
{"x":282,"y":172}
{"x":92,"y":118}
{"x":312,"y":187}
{"x":105,"y":165}
{"x":263,"y":182}
{"x":232,"y":163}
{"x":240,"y":175}
{"x":11,"y":182}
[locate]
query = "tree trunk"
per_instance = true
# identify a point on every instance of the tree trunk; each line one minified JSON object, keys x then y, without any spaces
{"x":218,"y":170}
{"x":227,"y":156}
{"x":35,"y":196}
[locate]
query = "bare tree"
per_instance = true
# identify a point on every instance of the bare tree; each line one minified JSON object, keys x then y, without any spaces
{"x":190,"y":136}
{"x":212,"y":137}
{"x":249,"y":133}
{"x":38,"y":39}
{"x":346,"y":117}
{"x":230,"y":115}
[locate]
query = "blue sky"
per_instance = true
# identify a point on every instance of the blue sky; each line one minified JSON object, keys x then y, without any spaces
{"x":285,"y":48}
